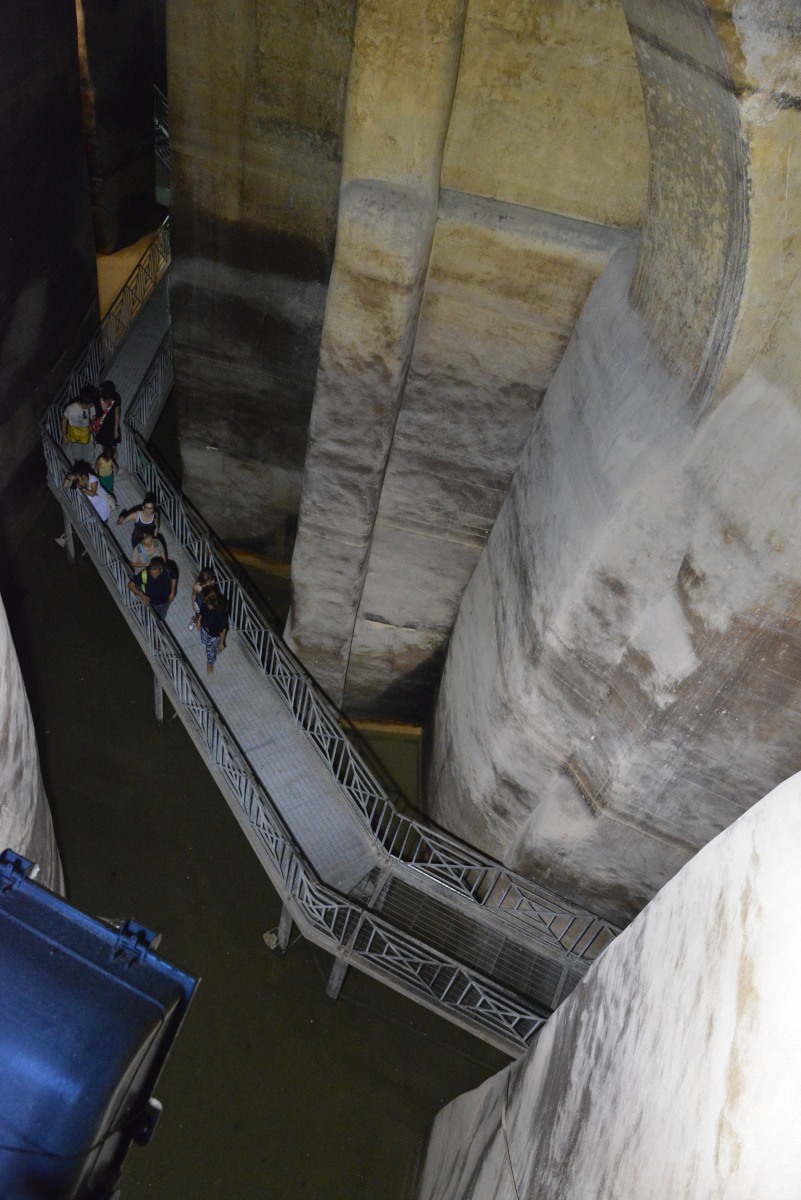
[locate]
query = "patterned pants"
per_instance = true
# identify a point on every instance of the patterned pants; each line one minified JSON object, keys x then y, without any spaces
{"x":211,"y":643}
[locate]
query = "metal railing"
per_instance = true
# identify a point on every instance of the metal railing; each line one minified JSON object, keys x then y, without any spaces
{"x":88,"y":369}
{"x":341,"y":924}
{"x":408,"y":841}
{"x":135,"y":292}
{"x":105,"y":343}
{"x":149,"y":399}
{"x":161,"y":127}
{"x":345,"y":925}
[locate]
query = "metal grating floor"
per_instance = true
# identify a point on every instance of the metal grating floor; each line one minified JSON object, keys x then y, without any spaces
{"x":517,"y":967}
{"x":332,"y":834}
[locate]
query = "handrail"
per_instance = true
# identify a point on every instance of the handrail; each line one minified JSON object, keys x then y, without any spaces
{"x":161,"y":127}
{"x":135,"y":292}
{"x":344,"y":924}
{"x":336,"y":921}
{"x":406,"y":840}
{"x":145,"y":406}
{"x":105,"y":343}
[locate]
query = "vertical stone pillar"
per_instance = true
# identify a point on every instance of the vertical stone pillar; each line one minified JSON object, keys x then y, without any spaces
{"x":673,"y":1069}
{"x":25,"y":823}
{"x":624,"y":673}
{"x":401,"y":88}
{"x":256,"y":95}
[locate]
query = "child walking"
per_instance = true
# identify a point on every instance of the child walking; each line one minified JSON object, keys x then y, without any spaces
{"x":105,"y":466}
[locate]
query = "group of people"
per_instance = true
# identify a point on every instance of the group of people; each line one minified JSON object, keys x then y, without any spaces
{"x":155,"y":580}
{"x":155,"y":576}
{"x":93,"y":416}
{"x":209,"y":615}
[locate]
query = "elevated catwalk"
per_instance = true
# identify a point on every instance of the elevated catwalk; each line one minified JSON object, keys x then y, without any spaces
{"x":381,"y":890}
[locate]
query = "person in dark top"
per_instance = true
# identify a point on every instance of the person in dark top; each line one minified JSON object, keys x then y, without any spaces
{"x":206,"y":579}
{"x":213,"y":620}
{"x":106,"y":422}
{"x":155,"y":586}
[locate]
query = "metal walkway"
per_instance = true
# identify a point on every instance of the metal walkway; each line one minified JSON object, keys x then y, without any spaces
{"x":382,"y":891}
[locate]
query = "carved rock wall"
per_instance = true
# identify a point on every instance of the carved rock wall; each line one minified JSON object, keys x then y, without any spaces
{"x":623,"y":675}
{"x":672,"y":1070}
{"x":482,"y":211}
{"x":25,"y":822}
{"x":256,"y":104}
{"x":504,"y":289}
{"x":399,"y":98}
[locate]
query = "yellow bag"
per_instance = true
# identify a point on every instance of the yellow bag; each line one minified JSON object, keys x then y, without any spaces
{"x":78,"y":433}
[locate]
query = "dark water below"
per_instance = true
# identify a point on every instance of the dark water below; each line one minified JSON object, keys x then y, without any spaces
{"x":272,"y":1091}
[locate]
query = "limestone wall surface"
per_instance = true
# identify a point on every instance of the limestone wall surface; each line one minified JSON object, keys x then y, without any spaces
{"x":405,"y":65}
{"x":673,"y":1069}
{"x":623,"y":675}
{"x":477,"y":210}
{"x":25,"y":822}
{"x":503,"y":293}
{"x":548,"y":111}
{"x":256,"y":103}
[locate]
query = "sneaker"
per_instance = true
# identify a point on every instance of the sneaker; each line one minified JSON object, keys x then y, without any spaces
{"x":191,"y":624}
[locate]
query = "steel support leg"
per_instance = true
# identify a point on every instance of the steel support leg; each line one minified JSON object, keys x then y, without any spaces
{"x":158,"y":700}
{"x":336,"y":978}
{"x":69,"y":540}
{"x":284,"y":928}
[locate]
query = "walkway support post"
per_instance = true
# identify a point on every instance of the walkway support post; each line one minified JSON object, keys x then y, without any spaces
{"x":336,"y":979}
{"x":284,"y":927}
{"x":158,"y":700}
{"x":69,"y":540}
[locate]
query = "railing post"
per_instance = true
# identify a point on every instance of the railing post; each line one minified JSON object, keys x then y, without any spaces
{"x":69,"y":539}
{"x":336,"y":979}
{"x":158,"y":700}
{"x":284,"y":927}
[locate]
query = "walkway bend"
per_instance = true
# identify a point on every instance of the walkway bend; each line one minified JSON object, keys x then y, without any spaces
{"x":387,"y":893}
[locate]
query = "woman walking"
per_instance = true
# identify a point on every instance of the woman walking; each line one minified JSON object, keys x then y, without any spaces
{"x":206,"y":579}
{"x":151,"y":546}
{"x":145,"y":518}
{"x":82,"y":480}
{"x":213,"y":626}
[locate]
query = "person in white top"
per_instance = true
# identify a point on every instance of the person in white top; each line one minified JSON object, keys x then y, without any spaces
{"x":83,"y":481}
{"x":76,"y":432}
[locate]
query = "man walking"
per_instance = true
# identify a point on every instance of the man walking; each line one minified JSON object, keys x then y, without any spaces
{"x":155,"y":586}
